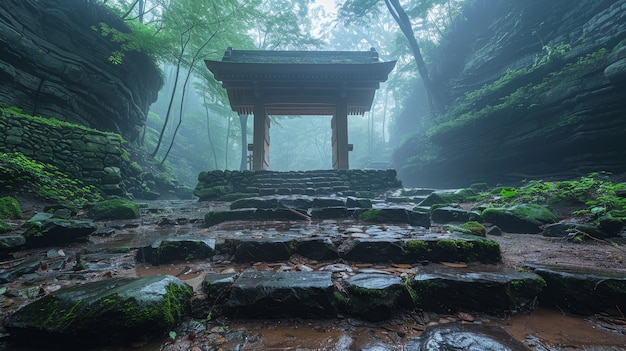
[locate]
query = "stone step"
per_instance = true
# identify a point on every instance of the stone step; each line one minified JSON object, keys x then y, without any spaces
{"x":415,"y":248}
{"x":373,"y":296}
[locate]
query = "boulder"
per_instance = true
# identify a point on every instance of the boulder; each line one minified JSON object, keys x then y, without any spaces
{"x":114,"y":209}
{"x":112,"y":311}
{"x":563,"y":229}
{"x":43,"y":229}
{"x":524,"y":218}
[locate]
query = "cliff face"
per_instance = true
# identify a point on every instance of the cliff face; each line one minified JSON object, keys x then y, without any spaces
{"x":536,"y":89}
{"x":54,"y":64}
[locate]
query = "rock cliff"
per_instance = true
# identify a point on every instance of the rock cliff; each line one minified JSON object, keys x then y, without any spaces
{"x":53,"y":63}
{"x":536,"y":89}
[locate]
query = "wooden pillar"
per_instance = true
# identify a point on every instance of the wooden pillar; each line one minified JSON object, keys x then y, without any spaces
{"x":339,"y":125}
{"x":261,"y":139}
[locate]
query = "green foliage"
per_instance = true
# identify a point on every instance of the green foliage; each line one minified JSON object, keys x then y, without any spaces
{"x":594,"y":195}
{"x":18,"y":173}
{"x":10,"y":208}
{"x":507,"y":93}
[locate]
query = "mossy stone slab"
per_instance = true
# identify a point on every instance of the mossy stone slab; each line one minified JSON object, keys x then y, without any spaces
{"x":109,"y":311}
{"x":267,"y":294}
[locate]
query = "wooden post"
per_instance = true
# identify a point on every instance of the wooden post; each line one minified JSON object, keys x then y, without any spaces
{"x":261,"y":138}
{"x":339,"y":125}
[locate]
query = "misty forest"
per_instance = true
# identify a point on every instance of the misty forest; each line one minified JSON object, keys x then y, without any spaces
{"x":312,"y":174}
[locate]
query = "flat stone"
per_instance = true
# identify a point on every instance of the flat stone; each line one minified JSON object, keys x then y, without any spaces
{"x":254,"y":202}
{"x":319,"y":249}
{"x":394,"y":215}
{"x":176,"y":249}
{"x":266,"y":294}
{"x":271,"y":249}
{"x":462,"y":336}
{"x":499,"y":291}
{"x":374,"y":250}
{"x":374,"y":296}
{"x":28,"y":266}
{"x":320,"y":202}
{"x":8,"y":242}
{"x":582,"y":291}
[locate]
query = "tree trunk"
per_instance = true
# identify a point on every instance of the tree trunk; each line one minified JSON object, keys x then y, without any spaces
{"x":400,"y":16}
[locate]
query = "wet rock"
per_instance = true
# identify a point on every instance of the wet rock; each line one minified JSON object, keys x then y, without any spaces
{"x":525,"y":218}
{"x":458,"y":336}
{"x":217,"y":285}
{"x":28,"y":266}
{"x":176,"y":249}
{"x":282,"y":294}
{"x":114,"y":209}
{"x":63,"y":213}
{"x":253,"y":250}
{"x":320,"y":202}
{"x":452,"y":248}
{"x":301,"y":203}
{"x":215,"y":217}
{"x":446,"y":197}
{"x":9,"y":242}
{"x":45,"y":230}
{"x":5,"y":227}
{"x":255,"y":202}
{"x":394,"y":215}
{"x":449,"y":214}
{"x":329,"y":212}
{"x":374,"y":250}
{"x":319,"y":249}
{"x":563,"y":229}
{"x":105,"y":312}
{"x":354,"y":202}
{"x":503,"y":291}
{"x":374,"y":296}
{"x":276,"y":214}
{"x":581,"y":290}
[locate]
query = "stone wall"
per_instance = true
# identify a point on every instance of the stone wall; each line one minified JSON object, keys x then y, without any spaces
{"x":89,"y":155}
{"x":55,"y":63}
{"x":227,"y":184}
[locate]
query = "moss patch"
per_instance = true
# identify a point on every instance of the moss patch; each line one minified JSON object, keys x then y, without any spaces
{"x":10,"y":208}
{"x":115,"y":209}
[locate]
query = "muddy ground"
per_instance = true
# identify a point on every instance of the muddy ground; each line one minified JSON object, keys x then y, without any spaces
{"x":544,"y":329}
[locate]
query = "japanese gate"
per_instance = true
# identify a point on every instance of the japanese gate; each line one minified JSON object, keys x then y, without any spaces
{"x":264,"y":83}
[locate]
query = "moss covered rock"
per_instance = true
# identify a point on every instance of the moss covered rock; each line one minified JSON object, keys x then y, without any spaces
{"x":9,"y":208}
{"x":104,"y":312}
{"x":115,"y":209}
{"x":525,"y":218}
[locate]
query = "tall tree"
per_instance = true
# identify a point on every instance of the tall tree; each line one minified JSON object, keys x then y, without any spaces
{"x":356,"y":10}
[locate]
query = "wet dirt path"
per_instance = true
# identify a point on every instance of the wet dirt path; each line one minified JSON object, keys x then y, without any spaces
{"x":543,"y":329}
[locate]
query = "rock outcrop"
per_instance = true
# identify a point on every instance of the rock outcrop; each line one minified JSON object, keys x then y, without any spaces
{"x":55,"y":63}
{"x":535,"y":91}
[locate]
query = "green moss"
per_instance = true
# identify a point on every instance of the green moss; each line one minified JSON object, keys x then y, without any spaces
{"x":214,"y":217}
{"x":4,"y":226}
{"x":419,"y":248}
{"x":412,"y":293}
{"x":19,"y":173}
{"x":476,"y":228}
{"x":115,"y":209}
{"x":369,"y":215}
{"x":521,"y":291}
{"x":10,"y":208}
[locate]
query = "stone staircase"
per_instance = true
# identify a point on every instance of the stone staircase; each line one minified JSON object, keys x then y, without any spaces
{"x":226,"y":185}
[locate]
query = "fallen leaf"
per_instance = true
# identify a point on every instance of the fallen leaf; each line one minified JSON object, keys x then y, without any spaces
{"x":454,"y":265}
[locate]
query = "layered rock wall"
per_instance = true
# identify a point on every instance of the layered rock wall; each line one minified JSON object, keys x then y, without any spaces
{"x":536,"y":89}
{"x":55,"y":63}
